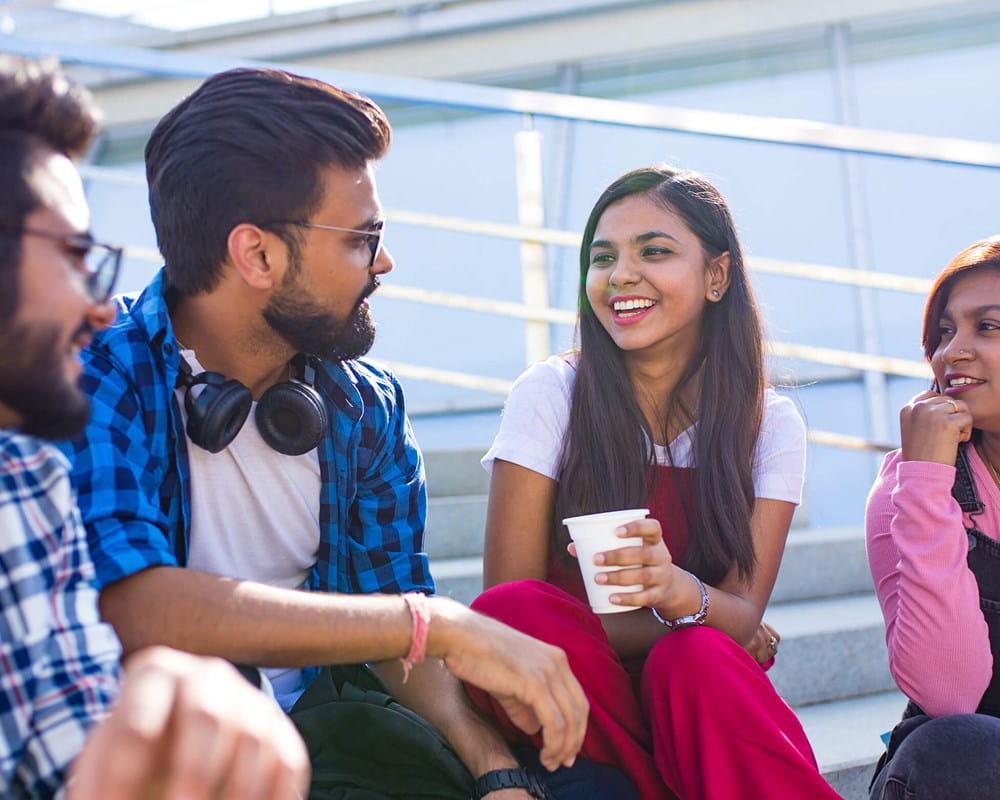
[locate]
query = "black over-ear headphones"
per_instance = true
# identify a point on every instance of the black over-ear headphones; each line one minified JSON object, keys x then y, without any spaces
{"x":291,"y":416}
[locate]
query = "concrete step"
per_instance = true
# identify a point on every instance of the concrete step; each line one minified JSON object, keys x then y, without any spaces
{"x":845,"y":738}
{"x":455,"y":472}
{"x":830,"y":648}
{"x":455,"y":526}
{"x":823,"y":562}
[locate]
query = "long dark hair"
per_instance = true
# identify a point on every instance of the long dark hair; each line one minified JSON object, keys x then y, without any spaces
{"x":607,"y":462}
{"x":984,"y":254}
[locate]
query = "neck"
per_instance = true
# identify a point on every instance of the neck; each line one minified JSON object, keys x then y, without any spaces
{"x":231,"y":339}
{"x":653,"y":382}
{"x":989,"y":449}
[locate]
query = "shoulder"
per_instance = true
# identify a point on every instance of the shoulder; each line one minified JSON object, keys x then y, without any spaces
{"x":556,"y":373}
{"x":781,"y":417}
{"x":20,"y":454}
{"x":33,"y":472}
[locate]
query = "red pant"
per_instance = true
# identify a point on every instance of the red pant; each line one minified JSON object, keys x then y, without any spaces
{"x":708,"y":724}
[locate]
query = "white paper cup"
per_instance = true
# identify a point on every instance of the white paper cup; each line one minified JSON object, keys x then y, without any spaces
{"x":593,"y":534}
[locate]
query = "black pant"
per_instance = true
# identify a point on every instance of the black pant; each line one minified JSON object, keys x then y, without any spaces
{"x":956,"y":757}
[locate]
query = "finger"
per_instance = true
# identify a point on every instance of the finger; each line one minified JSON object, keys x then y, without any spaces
{"x":623,"y":557}
{"x":572,"y":708}
{"x":204,"y":743}
{"x":123,"y":756}
{"x":649,"y":529}
{"x":571,"y":548}
{"x":925,"y":395}
{"x":649,"y":577}
{"x":771,"y":631}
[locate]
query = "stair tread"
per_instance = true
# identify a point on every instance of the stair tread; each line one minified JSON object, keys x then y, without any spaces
{"x":845,"y":732}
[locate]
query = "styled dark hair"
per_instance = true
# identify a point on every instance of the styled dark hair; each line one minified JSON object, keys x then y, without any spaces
{"x":608,"y":461}
{"x":984,"y":254}
{"x":40,"y":110}
{"x":248,"y":146}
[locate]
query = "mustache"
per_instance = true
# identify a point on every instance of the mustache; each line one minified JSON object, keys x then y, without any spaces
{"x":373,"y":284}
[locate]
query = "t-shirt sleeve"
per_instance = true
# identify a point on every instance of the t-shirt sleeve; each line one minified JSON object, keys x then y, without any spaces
{"x":780,"y":461}
{"x":535,"y":418}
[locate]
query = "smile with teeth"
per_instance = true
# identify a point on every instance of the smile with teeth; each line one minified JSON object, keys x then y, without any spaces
{"x":964,"y":381}
{"x":630,"y":307}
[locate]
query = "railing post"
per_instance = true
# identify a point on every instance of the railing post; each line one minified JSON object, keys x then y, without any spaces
{"x":531,"y":213}
{"x":876,"y":386}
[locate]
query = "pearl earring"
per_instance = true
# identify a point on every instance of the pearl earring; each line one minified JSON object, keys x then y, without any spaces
{"x":716,"y":294}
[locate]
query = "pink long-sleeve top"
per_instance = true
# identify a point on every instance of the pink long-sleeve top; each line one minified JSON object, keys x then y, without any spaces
{"x":939,"y":648}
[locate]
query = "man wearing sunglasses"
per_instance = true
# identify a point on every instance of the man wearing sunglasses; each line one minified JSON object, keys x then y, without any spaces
{"x":181,"y":723}
{"x":241,"y":450}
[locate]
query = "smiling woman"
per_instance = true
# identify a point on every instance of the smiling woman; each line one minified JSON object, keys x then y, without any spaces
{"x":664,"y":406}
{"x":934,"y":547}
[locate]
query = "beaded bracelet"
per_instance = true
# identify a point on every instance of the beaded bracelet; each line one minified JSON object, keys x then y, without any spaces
{"x":421,"y":613}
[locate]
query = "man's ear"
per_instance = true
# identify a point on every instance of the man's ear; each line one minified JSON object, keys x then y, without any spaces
{"x":254,"y":256}
{"x":717,"y":277}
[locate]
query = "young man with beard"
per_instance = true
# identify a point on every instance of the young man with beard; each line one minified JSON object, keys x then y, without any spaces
{"x":241,"y":450}
{"x":181,"y":724}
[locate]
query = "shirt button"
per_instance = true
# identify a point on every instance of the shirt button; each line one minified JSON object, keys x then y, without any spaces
{"x":168,"y":349}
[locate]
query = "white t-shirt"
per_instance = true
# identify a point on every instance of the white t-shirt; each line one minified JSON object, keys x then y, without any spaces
{"x":536,"y":416}
{"x":254,"y":516}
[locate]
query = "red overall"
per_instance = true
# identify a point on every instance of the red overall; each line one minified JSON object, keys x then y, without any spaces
{"x":706,"y":721}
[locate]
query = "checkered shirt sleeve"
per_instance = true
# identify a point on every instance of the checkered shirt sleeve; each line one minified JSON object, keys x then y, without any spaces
{"x":58,"y":661}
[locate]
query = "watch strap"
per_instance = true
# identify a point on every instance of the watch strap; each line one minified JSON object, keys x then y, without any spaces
{"x":515,"y":778}
{"x":697,"y":618}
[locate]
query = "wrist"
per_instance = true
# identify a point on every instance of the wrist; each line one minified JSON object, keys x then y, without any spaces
{"x":444,"y":628}
{"x":684,"y":596}
{"x":685,"y":618}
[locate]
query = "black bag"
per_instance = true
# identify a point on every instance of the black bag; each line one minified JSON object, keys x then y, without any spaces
{"x":363,"y":745}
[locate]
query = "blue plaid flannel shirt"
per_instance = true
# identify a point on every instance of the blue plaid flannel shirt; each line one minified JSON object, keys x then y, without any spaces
{"x":131,"y":474}
{"x":58,"y":661}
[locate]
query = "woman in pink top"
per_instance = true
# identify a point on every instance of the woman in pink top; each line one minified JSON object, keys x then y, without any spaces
{"x":933,"y":524}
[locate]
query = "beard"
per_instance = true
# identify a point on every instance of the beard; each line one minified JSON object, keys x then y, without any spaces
{"x":33,"y":383}
{"x":309,"y":327}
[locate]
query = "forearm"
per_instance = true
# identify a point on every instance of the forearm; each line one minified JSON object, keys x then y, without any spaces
{"x":634,"y":633}
{"x":248,"y":622}
{"x":938,"y":642}
{"x":437,"y":696}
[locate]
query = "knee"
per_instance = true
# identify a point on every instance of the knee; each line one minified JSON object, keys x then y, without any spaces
{"x":947,"y":753}
{"x":510,"y":600}
{"x":537,"y":608}
{"x":692,"y":651}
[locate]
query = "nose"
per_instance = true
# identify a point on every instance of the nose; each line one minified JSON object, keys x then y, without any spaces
{"x":624,"y":272}
{"x":100,"y":315}
{"x":958,"y":349}
{"x":384,"y":262}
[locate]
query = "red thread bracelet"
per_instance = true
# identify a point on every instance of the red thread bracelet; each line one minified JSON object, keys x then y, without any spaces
{"x":421,"y":613}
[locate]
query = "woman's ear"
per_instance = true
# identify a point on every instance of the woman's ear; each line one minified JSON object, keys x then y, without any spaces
{"x":717,"y":277}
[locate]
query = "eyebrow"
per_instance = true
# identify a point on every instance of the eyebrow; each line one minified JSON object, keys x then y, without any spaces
{"x":639,"y":239}
{"x":978,"y":311}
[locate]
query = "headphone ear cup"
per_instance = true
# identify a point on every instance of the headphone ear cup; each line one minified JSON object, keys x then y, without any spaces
{"x":216,"y":414}
{"x":291,"y":418}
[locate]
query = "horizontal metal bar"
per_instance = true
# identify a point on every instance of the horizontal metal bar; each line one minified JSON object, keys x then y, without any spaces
{"x":842,"y":275}
{"x":451,"y":94}
{"x":461,"y":379}
{"x":844,"y":441}
{"x":481,"y":304}
{"x":843,"y":358}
